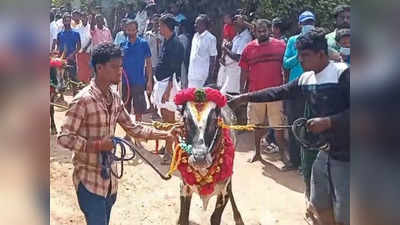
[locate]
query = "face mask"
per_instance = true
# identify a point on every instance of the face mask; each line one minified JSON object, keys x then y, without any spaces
{"x":345,"y":51}
{"x":306,"y":28}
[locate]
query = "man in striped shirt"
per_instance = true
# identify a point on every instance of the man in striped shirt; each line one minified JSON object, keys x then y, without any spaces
{"x":88,"y":128}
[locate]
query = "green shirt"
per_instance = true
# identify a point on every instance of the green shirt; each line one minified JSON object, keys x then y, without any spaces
{"x":331,"y":37}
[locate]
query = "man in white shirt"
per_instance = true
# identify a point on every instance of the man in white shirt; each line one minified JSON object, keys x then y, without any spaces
{"x":203,"y":54}
{"x":53,"y":32}
{"x":141,"y":17}
{"x":83,"y":57}
{"x":229,"y":72}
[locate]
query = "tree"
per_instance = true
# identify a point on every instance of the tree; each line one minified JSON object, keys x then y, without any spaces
{"x":289,"y":10}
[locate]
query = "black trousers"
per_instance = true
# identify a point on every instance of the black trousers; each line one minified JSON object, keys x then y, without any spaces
{"x":294,"y":109}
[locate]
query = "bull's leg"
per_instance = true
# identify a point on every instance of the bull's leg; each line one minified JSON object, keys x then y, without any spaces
{"x":53,"y":128}
{"x":219,"y":209}
{"x":186,"y":198}
{"x":236,"y":213}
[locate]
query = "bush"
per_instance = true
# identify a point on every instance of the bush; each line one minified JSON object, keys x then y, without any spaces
{"x":289,"y":10}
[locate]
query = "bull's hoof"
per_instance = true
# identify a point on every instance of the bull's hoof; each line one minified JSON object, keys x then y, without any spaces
{"x":256,"y":157}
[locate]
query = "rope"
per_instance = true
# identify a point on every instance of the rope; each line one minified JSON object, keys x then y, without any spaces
{"x":128,"y":89}
{"x":108,"y":158}
{"x":58,"y":105}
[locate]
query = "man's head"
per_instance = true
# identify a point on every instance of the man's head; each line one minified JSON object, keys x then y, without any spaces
{"x":238,"y":22}
{"x":277,"y":27}
{"x":67,"y":20}
{"x":342,"y":16}
{"x":343,"y":38}
{"x":228,"y":18}
{"x":173,"y":8}
{"x":141,"y":5}
{"x":313,"y":50}
{"x":263,"y":29}
{"x":306,"y":21}
{"x":151,"y":9}
{"x":76,"y":15}
{"x":167,"y":24}
{"x":107,"y":63}
{"x":99,"y":21}
{"x":84,"y":18}
{"x":131,"y":28}
{"x":123,"y":24}
{"x":202,"y":22}
{"x":99,"y":9}
{"x":155,"y":22}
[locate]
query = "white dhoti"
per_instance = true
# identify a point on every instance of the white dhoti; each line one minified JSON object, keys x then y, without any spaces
{"x":229,"y":76}
{"x":158,"y":92}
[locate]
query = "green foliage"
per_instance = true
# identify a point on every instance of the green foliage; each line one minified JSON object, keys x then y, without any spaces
{"x":291,"y":9}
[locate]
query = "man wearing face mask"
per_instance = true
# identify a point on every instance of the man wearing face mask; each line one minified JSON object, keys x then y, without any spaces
{"x":261,"y":67}
{"x":295,"y":108}
{"x":342,"y":16}
{"x":343,"y":37}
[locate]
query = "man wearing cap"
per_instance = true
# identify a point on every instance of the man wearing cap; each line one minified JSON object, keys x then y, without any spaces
{"x":295,"y":108}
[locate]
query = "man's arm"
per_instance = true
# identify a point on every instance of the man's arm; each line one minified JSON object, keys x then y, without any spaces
{"x":93,"y":22}
{"x":233,"y":56}
{"x":213,"y":58}
{"x":244,"y":74}
{"x":149,"y":71}
{"x":290,"y":58}
{"x":211,"y":69}
{"x":137,"y":130}
{"x":287,"y":91}
{"x":69,"y":137}
{"x":87,"y":45}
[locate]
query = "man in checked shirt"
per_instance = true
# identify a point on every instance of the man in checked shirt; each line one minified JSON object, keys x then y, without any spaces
{"x":88,"y":128}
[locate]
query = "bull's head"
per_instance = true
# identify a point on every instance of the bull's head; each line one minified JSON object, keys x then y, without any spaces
{"x":202,"y":131}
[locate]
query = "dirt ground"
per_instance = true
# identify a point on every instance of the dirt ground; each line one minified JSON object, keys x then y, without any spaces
{"x":264,"y":195}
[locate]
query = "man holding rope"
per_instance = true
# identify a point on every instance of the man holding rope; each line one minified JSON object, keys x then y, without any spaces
{"x":88,"y":130}
{"x":326,"y":88}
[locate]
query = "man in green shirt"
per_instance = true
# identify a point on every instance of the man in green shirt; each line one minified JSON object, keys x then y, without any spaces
{"x":342,"y":16}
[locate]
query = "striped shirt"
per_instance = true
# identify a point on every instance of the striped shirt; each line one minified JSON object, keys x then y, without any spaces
{"x":87,"y":121}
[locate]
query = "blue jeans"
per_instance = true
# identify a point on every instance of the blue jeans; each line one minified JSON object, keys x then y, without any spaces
{"x":96,"y":209}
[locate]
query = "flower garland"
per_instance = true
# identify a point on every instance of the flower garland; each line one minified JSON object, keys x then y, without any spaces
{"x":200,"y":95}
{"x":222,"y":166}
{"x":220,"y":170}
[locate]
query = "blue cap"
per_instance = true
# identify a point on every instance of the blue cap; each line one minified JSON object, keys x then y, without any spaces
{"x":306,"y":15}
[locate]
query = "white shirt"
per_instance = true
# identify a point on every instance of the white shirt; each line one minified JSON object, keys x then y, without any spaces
{"x":84,"y":33}
{"x":330,"y":74}
{"x":229,"y":75}
{"x":141,"y":18}
{"x":151,"y":38}
{"x":53,"y":32}
{"x":204,"y":46}
{"x":240,"y":41}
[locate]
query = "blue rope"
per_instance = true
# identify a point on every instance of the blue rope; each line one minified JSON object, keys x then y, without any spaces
{"x":108,"y":158}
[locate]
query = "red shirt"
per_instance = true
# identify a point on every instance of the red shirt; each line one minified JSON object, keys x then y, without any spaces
{"x":229,"y":32}
{"x":264,"y":63}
